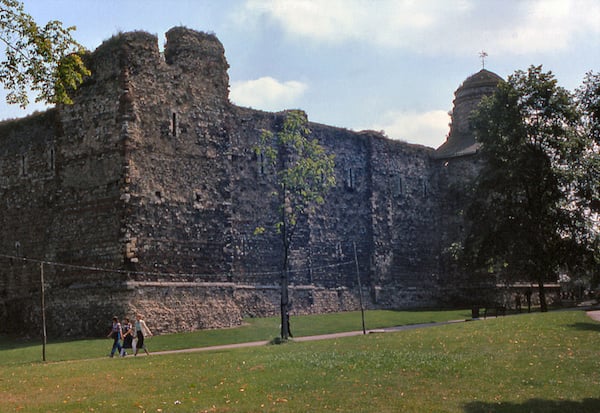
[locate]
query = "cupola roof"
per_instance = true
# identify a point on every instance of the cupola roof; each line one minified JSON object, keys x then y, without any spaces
{"x":461,"y":140}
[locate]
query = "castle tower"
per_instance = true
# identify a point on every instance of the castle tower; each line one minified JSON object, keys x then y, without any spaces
{"x":458,"y":164}
{"x":461,"y":140}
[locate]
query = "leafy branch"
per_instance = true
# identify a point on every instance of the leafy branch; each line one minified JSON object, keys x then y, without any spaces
{"x":45,"y":60}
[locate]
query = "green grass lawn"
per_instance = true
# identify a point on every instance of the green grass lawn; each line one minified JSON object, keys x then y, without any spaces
{"x":535,"y":362}
{"x":254,"y":329}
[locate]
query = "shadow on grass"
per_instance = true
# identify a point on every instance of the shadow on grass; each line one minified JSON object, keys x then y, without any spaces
{"x":535,"y":406}
{"x":11,"y":342}
{"x":586,"y":327}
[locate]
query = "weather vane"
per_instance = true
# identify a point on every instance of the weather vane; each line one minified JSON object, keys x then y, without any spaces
{"x":482,"y":56}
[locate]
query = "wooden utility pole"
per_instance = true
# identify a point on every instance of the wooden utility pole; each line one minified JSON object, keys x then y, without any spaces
{"x":360,"y":293}
{"x":43,"y":312}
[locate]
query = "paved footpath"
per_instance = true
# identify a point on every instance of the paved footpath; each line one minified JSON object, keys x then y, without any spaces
{"x":308,"y":338}
{"x":595,"y":315}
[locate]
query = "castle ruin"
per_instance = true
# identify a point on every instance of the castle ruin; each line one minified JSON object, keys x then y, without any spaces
{"x":143,"y":196}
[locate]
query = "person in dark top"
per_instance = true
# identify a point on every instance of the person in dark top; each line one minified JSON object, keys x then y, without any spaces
{"x":127,"y":329}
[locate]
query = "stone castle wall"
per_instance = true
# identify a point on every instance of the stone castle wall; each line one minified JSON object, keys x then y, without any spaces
{"x":152,"y":173}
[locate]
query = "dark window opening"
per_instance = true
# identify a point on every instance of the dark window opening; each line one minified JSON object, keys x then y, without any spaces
{"x":262,"y":163}
{"x":158,"y":194}
{"x":398,"y":186}
{"x":350,"y":179}
{"x":260,"y":159}
{"x":174,"y":125}
{"x":52,"y":160}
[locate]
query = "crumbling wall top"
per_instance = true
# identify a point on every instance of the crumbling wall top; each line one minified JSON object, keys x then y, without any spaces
{"x":200,"y":54}
{"x":136,"y":50}
{"x":184,"y":43}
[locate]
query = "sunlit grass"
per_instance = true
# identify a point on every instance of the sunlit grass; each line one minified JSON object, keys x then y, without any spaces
{"x":254,"y":329}
{"x":533,"y":362}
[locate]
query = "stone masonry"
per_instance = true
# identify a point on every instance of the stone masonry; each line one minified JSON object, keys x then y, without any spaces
{"x":143,"y":196}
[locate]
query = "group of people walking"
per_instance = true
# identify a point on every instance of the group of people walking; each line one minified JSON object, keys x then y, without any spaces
{"x":129,"y":336}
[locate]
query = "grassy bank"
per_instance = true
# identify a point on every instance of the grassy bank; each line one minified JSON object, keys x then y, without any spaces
{"x":16,"y":351}
{"x":533,"y":362}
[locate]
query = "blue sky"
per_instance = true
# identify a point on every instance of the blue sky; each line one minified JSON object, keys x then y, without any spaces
{"x":389,"y":65}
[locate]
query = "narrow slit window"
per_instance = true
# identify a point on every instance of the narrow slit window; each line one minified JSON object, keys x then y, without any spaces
{"x":262,"y":163}
{"x":350,"y":179}
{"x":51,"y":160}
{"x":398,"y":186}
{"x":23,"y":165}
{"x":174,"y":125}
{"x":260,"y":160}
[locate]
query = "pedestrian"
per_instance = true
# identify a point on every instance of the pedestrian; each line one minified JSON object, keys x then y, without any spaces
{"x":127,"y":329}
{"x":116,"y":334}
{"x":141,"y":331}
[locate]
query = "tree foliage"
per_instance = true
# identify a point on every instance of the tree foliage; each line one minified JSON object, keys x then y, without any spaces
{"x":303,"y":173}
{"x":588,"y":101}
{"x":531,"y":213}
{"x":46,"y":60}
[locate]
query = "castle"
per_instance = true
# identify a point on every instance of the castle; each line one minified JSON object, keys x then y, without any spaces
{"x":143,"y":196}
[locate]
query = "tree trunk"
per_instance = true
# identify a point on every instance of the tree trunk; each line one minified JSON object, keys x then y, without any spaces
{"x":542,"y":295}
{"x":285,"y":317}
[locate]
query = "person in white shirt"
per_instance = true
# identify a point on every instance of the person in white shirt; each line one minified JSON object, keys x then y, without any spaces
{"x":141,"y":331}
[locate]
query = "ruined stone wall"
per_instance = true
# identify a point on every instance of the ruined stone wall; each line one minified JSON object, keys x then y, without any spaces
{"x":198,"y":191}
{"x":343,"y":223}
{"x":153,"y":173}
{"x":404,"y":206}
{"x":177,"y":228}
{"x":322,"y":250}
{"x":27,"y":191}
{"x":178,"y":191}
{"x":68,"y":199}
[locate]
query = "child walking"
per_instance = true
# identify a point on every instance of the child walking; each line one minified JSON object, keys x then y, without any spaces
{"x":116,"y":334}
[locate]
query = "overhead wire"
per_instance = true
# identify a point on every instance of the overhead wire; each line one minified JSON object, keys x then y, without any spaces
{"x":167,"y":274}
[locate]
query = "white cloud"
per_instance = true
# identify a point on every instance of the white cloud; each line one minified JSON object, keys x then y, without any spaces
{"x":550,"y":25}
{"x":425,"y":128}
{"x":436,"y":26}
{"x":267,"y":93}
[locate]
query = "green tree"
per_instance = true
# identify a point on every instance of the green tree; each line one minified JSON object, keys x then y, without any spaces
{"x":303,"y":173}
{"x":588,"y":101}
{"x":528,"y":219}
{"x":588,"y":189}
{"x":45,"y":60}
